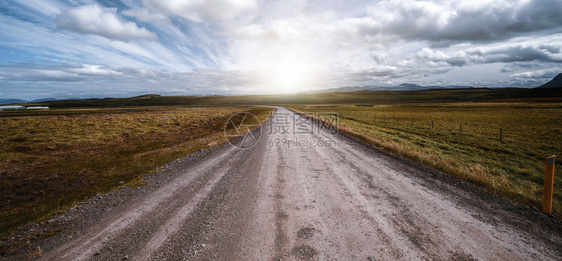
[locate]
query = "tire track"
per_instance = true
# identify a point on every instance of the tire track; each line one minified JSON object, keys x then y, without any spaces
{"x":92,"y":242}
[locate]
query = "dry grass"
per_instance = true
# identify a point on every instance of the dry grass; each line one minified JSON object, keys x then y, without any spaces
{"x":52,"y":160}
{"x":513,"y":167}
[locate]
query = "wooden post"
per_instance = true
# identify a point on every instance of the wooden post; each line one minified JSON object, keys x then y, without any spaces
{"x":460,"y":128}
{"x":385,"y":118}
{"x":548,"y":185}
{"x":412,"y":122}
{"x":501,"y":134}
{"x":432,"y":124}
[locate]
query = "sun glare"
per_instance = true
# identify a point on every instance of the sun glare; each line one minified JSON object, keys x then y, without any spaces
{"x":290,"y":75}
{"x":282,"y":69}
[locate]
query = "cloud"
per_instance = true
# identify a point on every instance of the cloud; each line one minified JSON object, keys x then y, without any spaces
{"x":455,"y":21}
{"x":66,"y":72}
{"x":94,"y":70}
{"x":84,"y":80}
{"x":94,"y":19}
{"x":459,"y":58}
{"x":503,"y":53}
{"x":536,"y":78}
{"x":203,"y":11}
{"x":63,"y":46}
{"x":544,"y":75}
{"x":143,"y":14}
{"x":37,"y":75}
{"x":374,"y":72}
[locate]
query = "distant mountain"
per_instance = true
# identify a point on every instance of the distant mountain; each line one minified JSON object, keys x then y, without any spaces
{"x":554,"y":83}
{"x":45,"y":99}
{"x":12,"y":101}
{"x":409,"y":86}
{"x":350,"y":89}
{"x":19,"y":101}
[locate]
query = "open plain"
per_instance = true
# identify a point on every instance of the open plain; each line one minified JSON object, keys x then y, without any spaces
{"x":327,"y":198}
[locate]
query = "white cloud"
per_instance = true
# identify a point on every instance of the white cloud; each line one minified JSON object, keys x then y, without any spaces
{"x":91,"y":49}
{"x":202,"y":11}
{"x":94,"y":19}
{"x":94,"y":70}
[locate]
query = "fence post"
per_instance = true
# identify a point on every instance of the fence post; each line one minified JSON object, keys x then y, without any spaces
{"x":548,"y":185}
{"x":460,"y":128}
{"x":501,"y":134}
{"x":432,"y":124}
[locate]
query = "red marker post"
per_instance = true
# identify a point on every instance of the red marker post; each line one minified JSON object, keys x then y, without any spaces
{"x":548,"y":185}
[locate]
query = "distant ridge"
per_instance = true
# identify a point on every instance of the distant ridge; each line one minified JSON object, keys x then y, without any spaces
{"x":409,"y":86}
{"x":400,"y":87}
{"x":11,"y":101}
{"x":20,"y":101}
{"x":554,"y":83}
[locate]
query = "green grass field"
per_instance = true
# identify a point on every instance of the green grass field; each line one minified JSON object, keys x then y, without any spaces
{"x":513,"y":167}
{"x":360,"y":97}
{"x":50,"y":160}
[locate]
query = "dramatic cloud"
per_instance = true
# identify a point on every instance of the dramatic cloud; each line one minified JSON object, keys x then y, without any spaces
{"x":100,"y":48}
{"x":94,"y":19}
{"x":505,"y":53}
{"x":455,"y":21}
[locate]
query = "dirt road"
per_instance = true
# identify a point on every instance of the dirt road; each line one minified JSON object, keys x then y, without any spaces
{"x":326,"y":197}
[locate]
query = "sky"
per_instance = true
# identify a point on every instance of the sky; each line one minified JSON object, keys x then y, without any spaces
{"x":123,"y":48}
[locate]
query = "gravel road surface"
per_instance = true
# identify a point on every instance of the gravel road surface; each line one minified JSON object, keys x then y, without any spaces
{"x":300,"y":193}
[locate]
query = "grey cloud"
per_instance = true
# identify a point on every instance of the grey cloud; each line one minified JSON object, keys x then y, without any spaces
{"x":540,"y":75}
{"x":520,"y":53}
{"x":502,"y":54}
{"x":459,"y":20}
{"x":379,"y":57}
{"x":373,"y":72}
{"x":525,"y":66}
{"x":534,"y":78}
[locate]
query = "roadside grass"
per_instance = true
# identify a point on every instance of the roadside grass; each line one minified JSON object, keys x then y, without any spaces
{"x":512,"y":168}
{"x":51,"y":160}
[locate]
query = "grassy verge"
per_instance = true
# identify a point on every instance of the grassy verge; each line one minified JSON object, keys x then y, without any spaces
{"x":463,"y":140}
{"x":50,"y":160}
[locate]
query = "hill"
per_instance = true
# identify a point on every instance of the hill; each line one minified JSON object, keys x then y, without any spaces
{"x":11,"y":101}
{"x":365,"y":97}
{"x":554,"y":83}
{"x":400,"y":87}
